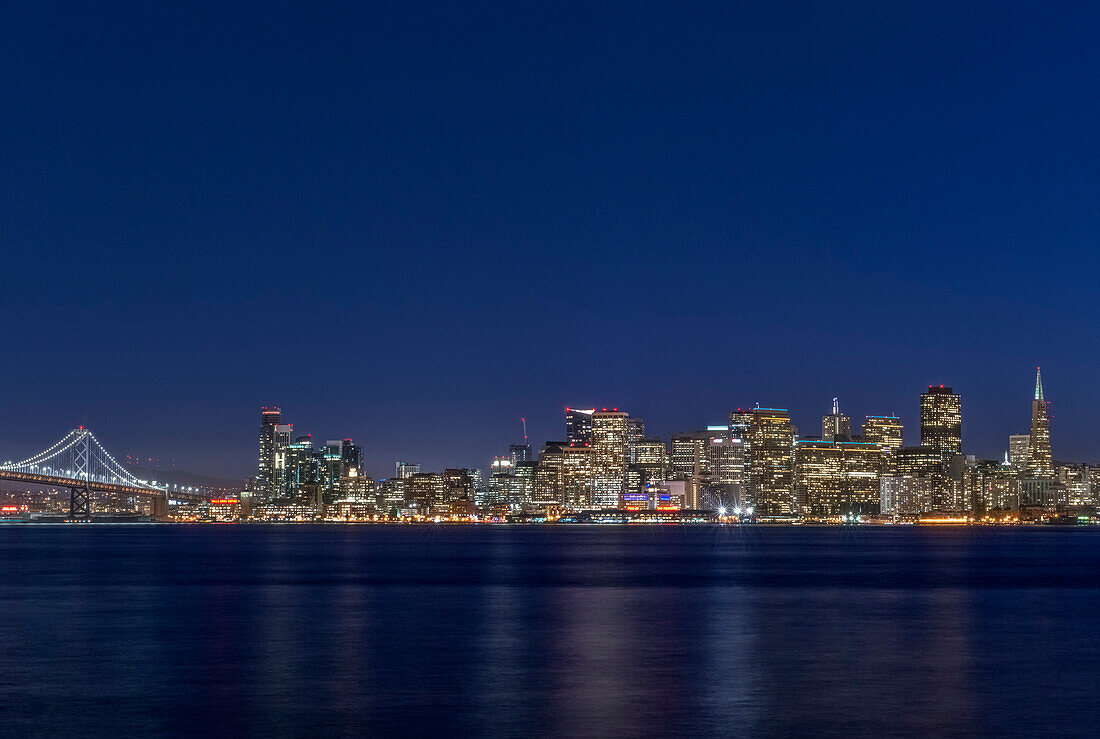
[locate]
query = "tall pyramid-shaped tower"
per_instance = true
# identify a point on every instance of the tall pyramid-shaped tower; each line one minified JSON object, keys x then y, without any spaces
{"x":1040,"y":461}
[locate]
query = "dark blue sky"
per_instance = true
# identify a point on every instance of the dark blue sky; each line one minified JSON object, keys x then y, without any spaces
{"x":413,"y":224}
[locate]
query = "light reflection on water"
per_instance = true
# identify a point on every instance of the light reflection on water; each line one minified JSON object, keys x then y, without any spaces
{"x":548,"y":631}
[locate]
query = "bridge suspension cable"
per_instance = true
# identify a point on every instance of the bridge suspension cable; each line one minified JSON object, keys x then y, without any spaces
{"x":80,"y":456}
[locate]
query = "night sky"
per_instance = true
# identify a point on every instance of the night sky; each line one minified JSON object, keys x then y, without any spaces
{"x":414,"y":224}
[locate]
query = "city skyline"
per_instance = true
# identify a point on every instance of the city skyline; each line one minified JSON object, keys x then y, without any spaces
{"x":757,"y":464}
{"x":939,"y":427}
{"x":438,"y":458}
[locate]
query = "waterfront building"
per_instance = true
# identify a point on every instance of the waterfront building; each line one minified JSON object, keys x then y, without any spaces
{"x":927,"y":463}
{"x":425,"y":493}
{"x":457,"y":486}
{"x":905,"y":495}
{"x":992,"y":486}
{"x":505,"y":489}
{"x":356,"y":487}
{"x":837,"y":477}
{"x":390,"y":495}
{"x":941,"y":420}
{"x":1078,"y":480}
{"x":666,"y":495}
{"x":771,"y":453}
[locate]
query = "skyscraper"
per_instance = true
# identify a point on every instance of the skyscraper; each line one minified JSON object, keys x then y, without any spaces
{"x":578,"y":425}
{"x":1017,"y":450}
{"x":1040,"y":461}
{"x":835,"y":427}
{"x":883,"y":430}
{"x":577,"y":475}
{"x":610,"y":454}
{"x":270,"y":419}
{"x":941,"y":420}
{"x":837,"y":477}
{"x":771,"y":451}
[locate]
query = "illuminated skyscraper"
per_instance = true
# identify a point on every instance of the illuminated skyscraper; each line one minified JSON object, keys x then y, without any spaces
{"x":771,"y":456}
{"x":691,"y":463}
{"x":941,"y":420}
{"x":301,"y":467}
{"x":610,"y":455}
{"x":833,"y":478}
{"x":273,"y":436}
{"x":578,"y":425}
{"x":425,"y":492}
{"x":576,"y":466}
{"x":1017,"y":450}
{"x":1040,"y":461}
{"x":835,"y":427}
{"x":883,"y":430}
{"x":548,"y":487}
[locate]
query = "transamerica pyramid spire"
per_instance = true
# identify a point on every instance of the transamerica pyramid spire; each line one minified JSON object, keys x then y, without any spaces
{"x":1040,"y":462}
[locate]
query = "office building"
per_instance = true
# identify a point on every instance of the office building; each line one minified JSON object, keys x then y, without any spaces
{"x":837,"y":477}
{"x":941,"y":420}
{"x":424,"y":493}
{"x":610,"y":454}
{"x":1018,"y":450}
{"x":270,"y":419}
{"x":578,"y":425}
{"x":548,"y":486}
{"x":390,"y":495}
{"x":885,"y":431}
{"x":835,"y":427}
{"x":650,"y":458}
{"x":577,"y":475}
{"x":771,"y":462}
{"x":457,"y":486}
{"x":992,"y":487}
{"x":905,"y":495}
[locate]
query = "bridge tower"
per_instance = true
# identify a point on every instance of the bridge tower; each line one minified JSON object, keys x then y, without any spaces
{"x":79,"y":496}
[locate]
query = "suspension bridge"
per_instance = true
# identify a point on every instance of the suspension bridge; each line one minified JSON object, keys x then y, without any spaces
{"x":79,"y":463}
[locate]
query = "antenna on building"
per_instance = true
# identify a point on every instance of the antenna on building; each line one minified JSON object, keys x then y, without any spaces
{"x":524,"y":429}
{"x":836,"y":406}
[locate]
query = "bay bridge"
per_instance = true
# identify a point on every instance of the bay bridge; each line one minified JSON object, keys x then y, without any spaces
{"x":80,"y":464}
